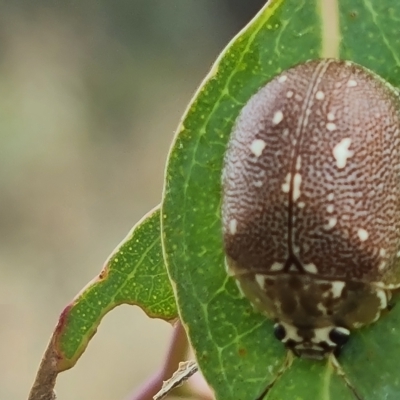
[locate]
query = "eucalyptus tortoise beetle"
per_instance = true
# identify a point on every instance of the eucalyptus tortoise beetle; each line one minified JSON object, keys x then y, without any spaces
{"x":311,"y":202}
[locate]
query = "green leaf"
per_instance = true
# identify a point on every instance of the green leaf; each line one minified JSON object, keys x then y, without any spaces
{"x":370,"y":35}
{"x":134,"y":274}
{"x":370,"y":361}
{"x":234,"y":346}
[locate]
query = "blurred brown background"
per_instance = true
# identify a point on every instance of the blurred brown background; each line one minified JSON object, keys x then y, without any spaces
{"x":90,"y":94}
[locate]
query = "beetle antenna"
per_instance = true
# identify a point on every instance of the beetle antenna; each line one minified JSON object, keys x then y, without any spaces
{"x":339,"y":370}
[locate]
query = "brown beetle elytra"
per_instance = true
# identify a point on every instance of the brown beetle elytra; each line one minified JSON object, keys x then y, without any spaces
{"x":311,"y":202}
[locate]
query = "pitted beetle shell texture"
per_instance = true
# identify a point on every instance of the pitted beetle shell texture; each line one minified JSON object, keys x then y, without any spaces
{"x":311,"y":198}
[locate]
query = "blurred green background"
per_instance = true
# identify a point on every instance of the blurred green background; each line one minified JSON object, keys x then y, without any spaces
{"x":91,"y":92}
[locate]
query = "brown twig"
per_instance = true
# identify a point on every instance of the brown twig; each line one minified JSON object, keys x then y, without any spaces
{"x":43,"y":387}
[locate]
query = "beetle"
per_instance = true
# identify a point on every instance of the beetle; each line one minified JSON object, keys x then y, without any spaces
{"x":311,"y":202}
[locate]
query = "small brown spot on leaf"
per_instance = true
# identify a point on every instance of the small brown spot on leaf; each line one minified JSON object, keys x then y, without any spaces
{"x":104,"y":273}
{"x":242,"y":352}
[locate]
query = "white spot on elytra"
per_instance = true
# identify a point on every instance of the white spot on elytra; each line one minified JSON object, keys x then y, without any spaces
{"x":286,"y":184}
{"x":337,"y":288}
{"x":232,"y":226}
{"x":331,"y":196}
{"x":330,"y":126}
{"x":276,"y":266}
{"x":363,"y":234}
{"x":341,"y":152}
{"x":329,"y":208}
{"x":282,"y":78}
{"x":351,"y":83}
{"x":331,"y":223}
{"x":311,"y":268}
{"x":398,"y":254}
{"x":285,"y":132}
{"x":331,"y":116}
{"x":382,"y":252}
{"x":298,"y":163}
{"x":257,"y":147}
{"x":278,"y":117}
{"x":257,"y":183}
{"x":301,"y":204}
{"x":260,"y":279}
{"x":320,"y":95}
{"x":296,"y":186}
{"x":289,"y":94}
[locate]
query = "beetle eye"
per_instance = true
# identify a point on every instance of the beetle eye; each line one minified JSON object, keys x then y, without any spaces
{"x":339,"y":336}
{"x":279,"y":332}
